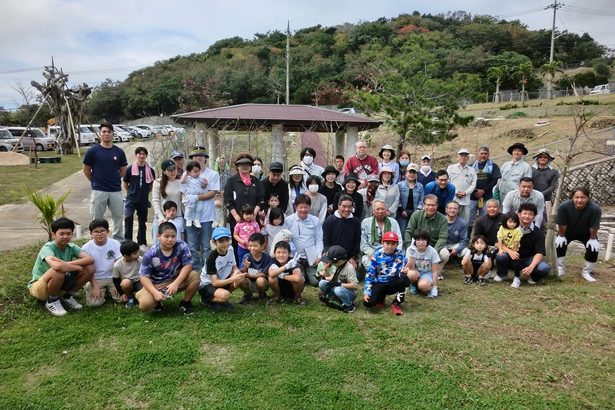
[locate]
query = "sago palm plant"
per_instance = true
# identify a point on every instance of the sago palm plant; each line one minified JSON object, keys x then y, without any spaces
{"x":48,"y":206}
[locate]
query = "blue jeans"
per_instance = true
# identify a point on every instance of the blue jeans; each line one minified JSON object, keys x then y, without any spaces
{"x":347,"y":296}
{"x":504,"y":262}
{"x":473,"y":210}
{"x":198,"y":241}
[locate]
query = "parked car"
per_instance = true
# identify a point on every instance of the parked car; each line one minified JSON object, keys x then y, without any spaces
{"x":147,"y":131}
{"x":600,"y":89}
{"x":126,"y":129}
{"x":87,"y":135}
{"x":33,"y":138}
{"x":8,"y":141}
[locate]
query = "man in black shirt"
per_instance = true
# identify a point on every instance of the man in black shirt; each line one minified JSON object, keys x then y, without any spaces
{"x":527,"y":263}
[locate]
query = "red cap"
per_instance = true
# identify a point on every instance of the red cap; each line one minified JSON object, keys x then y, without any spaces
{"x":390,"y":237}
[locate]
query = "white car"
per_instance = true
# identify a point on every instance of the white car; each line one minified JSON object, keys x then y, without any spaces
{"x":8,"y":141}
{"x":87,"y":135}
{"x":147,"y":131}
{"x":600,"y":89}
{"x":121,"y":134}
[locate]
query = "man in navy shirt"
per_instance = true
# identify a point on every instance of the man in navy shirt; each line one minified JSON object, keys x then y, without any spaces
{"x":104,"y":165}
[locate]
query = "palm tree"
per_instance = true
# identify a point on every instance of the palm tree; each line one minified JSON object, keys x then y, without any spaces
{"x":549,"y":70}
{"x":48,"y":206}
{"x":524,"y":71}
{"x":497,"y":75}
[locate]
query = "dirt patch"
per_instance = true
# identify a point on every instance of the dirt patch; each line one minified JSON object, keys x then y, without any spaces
{"x":525,"y":133}
{"x":13,"y":158}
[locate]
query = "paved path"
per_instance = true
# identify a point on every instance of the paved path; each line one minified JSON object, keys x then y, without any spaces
{"x":17,"y":226}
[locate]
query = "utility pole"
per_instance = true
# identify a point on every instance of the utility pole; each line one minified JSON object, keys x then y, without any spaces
{"x":288,"y":63}
{"x":553,"y":6}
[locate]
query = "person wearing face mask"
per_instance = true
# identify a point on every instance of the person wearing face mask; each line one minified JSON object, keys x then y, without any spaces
{"x":387,"y":153}
{"x":318,"y":208}
{"x":403,"y":162}
{"x":257,"y":168}
{"x":426,"y":174}
{"x":308,"y":154}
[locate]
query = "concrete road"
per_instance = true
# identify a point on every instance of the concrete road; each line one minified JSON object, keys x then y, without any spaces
{"x":17,"y":222}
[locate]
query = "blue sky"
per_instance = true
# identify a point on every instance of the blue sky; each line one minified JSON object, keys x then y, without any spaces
{"x":94,"y":40}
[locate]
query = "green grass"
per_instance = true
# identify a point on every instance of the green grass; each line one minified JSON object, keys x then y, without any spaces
{"x":544,"y":346}
{"x":15,"y":178}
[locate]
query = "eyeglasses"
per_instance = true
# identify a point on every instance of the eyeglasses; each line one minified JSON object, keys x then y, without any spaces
{"x":99,"y":232}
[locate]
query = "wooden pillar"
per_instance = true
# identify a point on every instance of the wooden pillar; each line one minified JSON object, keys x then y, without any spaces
{"x":352,"y":136}
{"x":214,"y":145}
{"x":277,"y":143}
{"x":340,"y":139}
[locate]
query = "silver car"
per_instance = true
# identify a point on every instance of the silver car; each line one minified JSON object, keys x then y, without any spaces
{"x":8,"y":142}
{"x":33,"y":139}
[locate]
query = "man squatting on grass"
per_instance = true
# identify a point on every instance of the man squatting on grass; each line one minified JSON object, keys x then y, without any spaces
{"x":166,"y":269}
{"x":61,"y":269}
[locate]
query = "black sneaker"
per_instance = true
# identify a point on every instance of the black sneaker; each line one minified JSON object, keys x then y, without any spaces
{"x":159,"y":307}
{"x":245,"y":299}
{"x":482,"y":281}
{"x":467,"y":280}
{"x":186,"y":307}
{"x":349,"y":309}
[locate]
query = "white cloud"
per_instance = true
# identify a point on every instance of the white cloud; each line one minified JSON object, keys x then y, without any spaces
{"x":92,"y":39}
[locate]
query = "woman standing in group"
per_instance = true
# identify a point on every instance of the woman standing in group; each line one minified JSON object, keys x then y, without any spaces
{"x":387,"y":153}
{"x":351,"y":183}
{"x":165,"y":188}
{"x":257,"y":168}
{"x":388,"y":191}
{"x":411,"y":196}
{"x":330,"y":187}
{"x":243,"y":189}
{"x":296,"y":187}
{"x":318,"y":208}
{"x":403,"y":161}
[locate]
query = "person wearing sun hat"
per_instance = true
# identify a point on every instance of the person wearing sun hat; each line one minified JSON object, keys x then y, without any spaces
{"x":296,"y":186}
{"x":544,"y":175}
{"x":179,"y":159}
{"x":463,"y":176}
{"x":387,"y":153}
{"x":243,"y":189}
{"x":350,"y":188}
{"x":388,"y":190}
{"x":513,"y":170}
{"x":198,"y":238}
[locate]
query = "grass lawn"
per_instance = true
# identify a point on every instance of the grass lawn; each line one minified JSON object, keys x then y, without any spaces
{"x":544,"y":346}
{"x":16,"y":178}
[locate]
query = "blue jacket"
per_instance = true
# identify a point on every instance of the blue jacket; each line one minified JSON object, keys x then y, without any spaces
{"x":383,"y":268}
{"x":417,"y":195}
{"x":444,"y":195}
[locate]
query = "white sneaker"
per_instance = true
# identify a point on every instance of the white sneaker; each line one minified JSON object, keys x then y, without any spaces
{"x":56,"y":308}
{"x":188,"y":222}
{"x":72,"y":303}
{"x":516,"y":283}
{"x":530,"y":281}
{"x":588,"y":277}
{"x":498,"y":278}
{"x":490,"y":274}
{"x":197,"y":223}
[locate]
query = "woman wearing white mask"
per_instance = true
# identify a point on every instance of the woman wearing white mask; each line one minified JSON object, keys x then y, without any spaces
{"x":426,"y":174}
{"x":308,"y":155}
{"x":403,"y":162}
{"x":319,"y":201}
{"x":257,"y":168}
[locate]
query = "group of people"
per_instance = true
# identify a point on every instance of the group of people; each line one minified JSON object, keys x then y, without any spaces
{"x":392,"y":225}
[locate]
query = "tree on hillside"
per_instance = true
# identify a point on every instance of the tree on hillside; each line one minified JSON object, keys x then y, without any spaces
{"x":497,"y":75}
{"x":420,"y":109}
{"x":523,"y":71}
{"x":549,"y":70}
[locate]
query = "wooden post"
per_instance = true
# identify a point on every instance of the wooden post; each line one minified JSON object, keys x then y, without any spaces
{"x":352,"y":136}
{"x":277,"y":143}
{"x":214,"y":145}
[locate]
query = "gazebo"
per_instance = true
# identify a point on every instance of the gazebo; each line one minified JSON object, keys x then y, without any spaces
{"x":280,"y":119}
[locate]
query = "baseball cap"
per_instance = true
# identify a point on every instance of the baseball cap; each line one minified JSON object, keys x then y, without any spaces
{"x":426,"y":157}
{"x":334,"y":254}
{"x":463,"y":151}
{"x":296,"y":170}
{"x":220,"y":232}
{"x":412,"y":166}
{"x":373,"y":178}
{"x":166,"y":164}
{"x":276,"y":167}
{"x":390,"y":237}
{"x":177,"y":154}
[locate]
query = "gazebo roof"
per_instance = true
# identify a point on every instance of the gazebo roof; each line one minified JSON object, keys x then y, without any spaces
{"x":292,"y":117}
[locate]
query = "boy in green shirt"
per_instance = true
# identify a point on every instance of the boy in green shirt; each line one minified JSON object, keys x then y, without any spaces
{"x":61,"y":268}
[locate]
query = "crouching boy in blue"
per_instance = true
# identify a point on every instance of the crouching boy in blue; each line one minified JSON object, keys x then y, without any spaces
{"x":220,"y":275}
{"x":339,"y":278}
{"x":61,"y":268}
{"x":166,"y":269}
{"x":386,"y":275}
